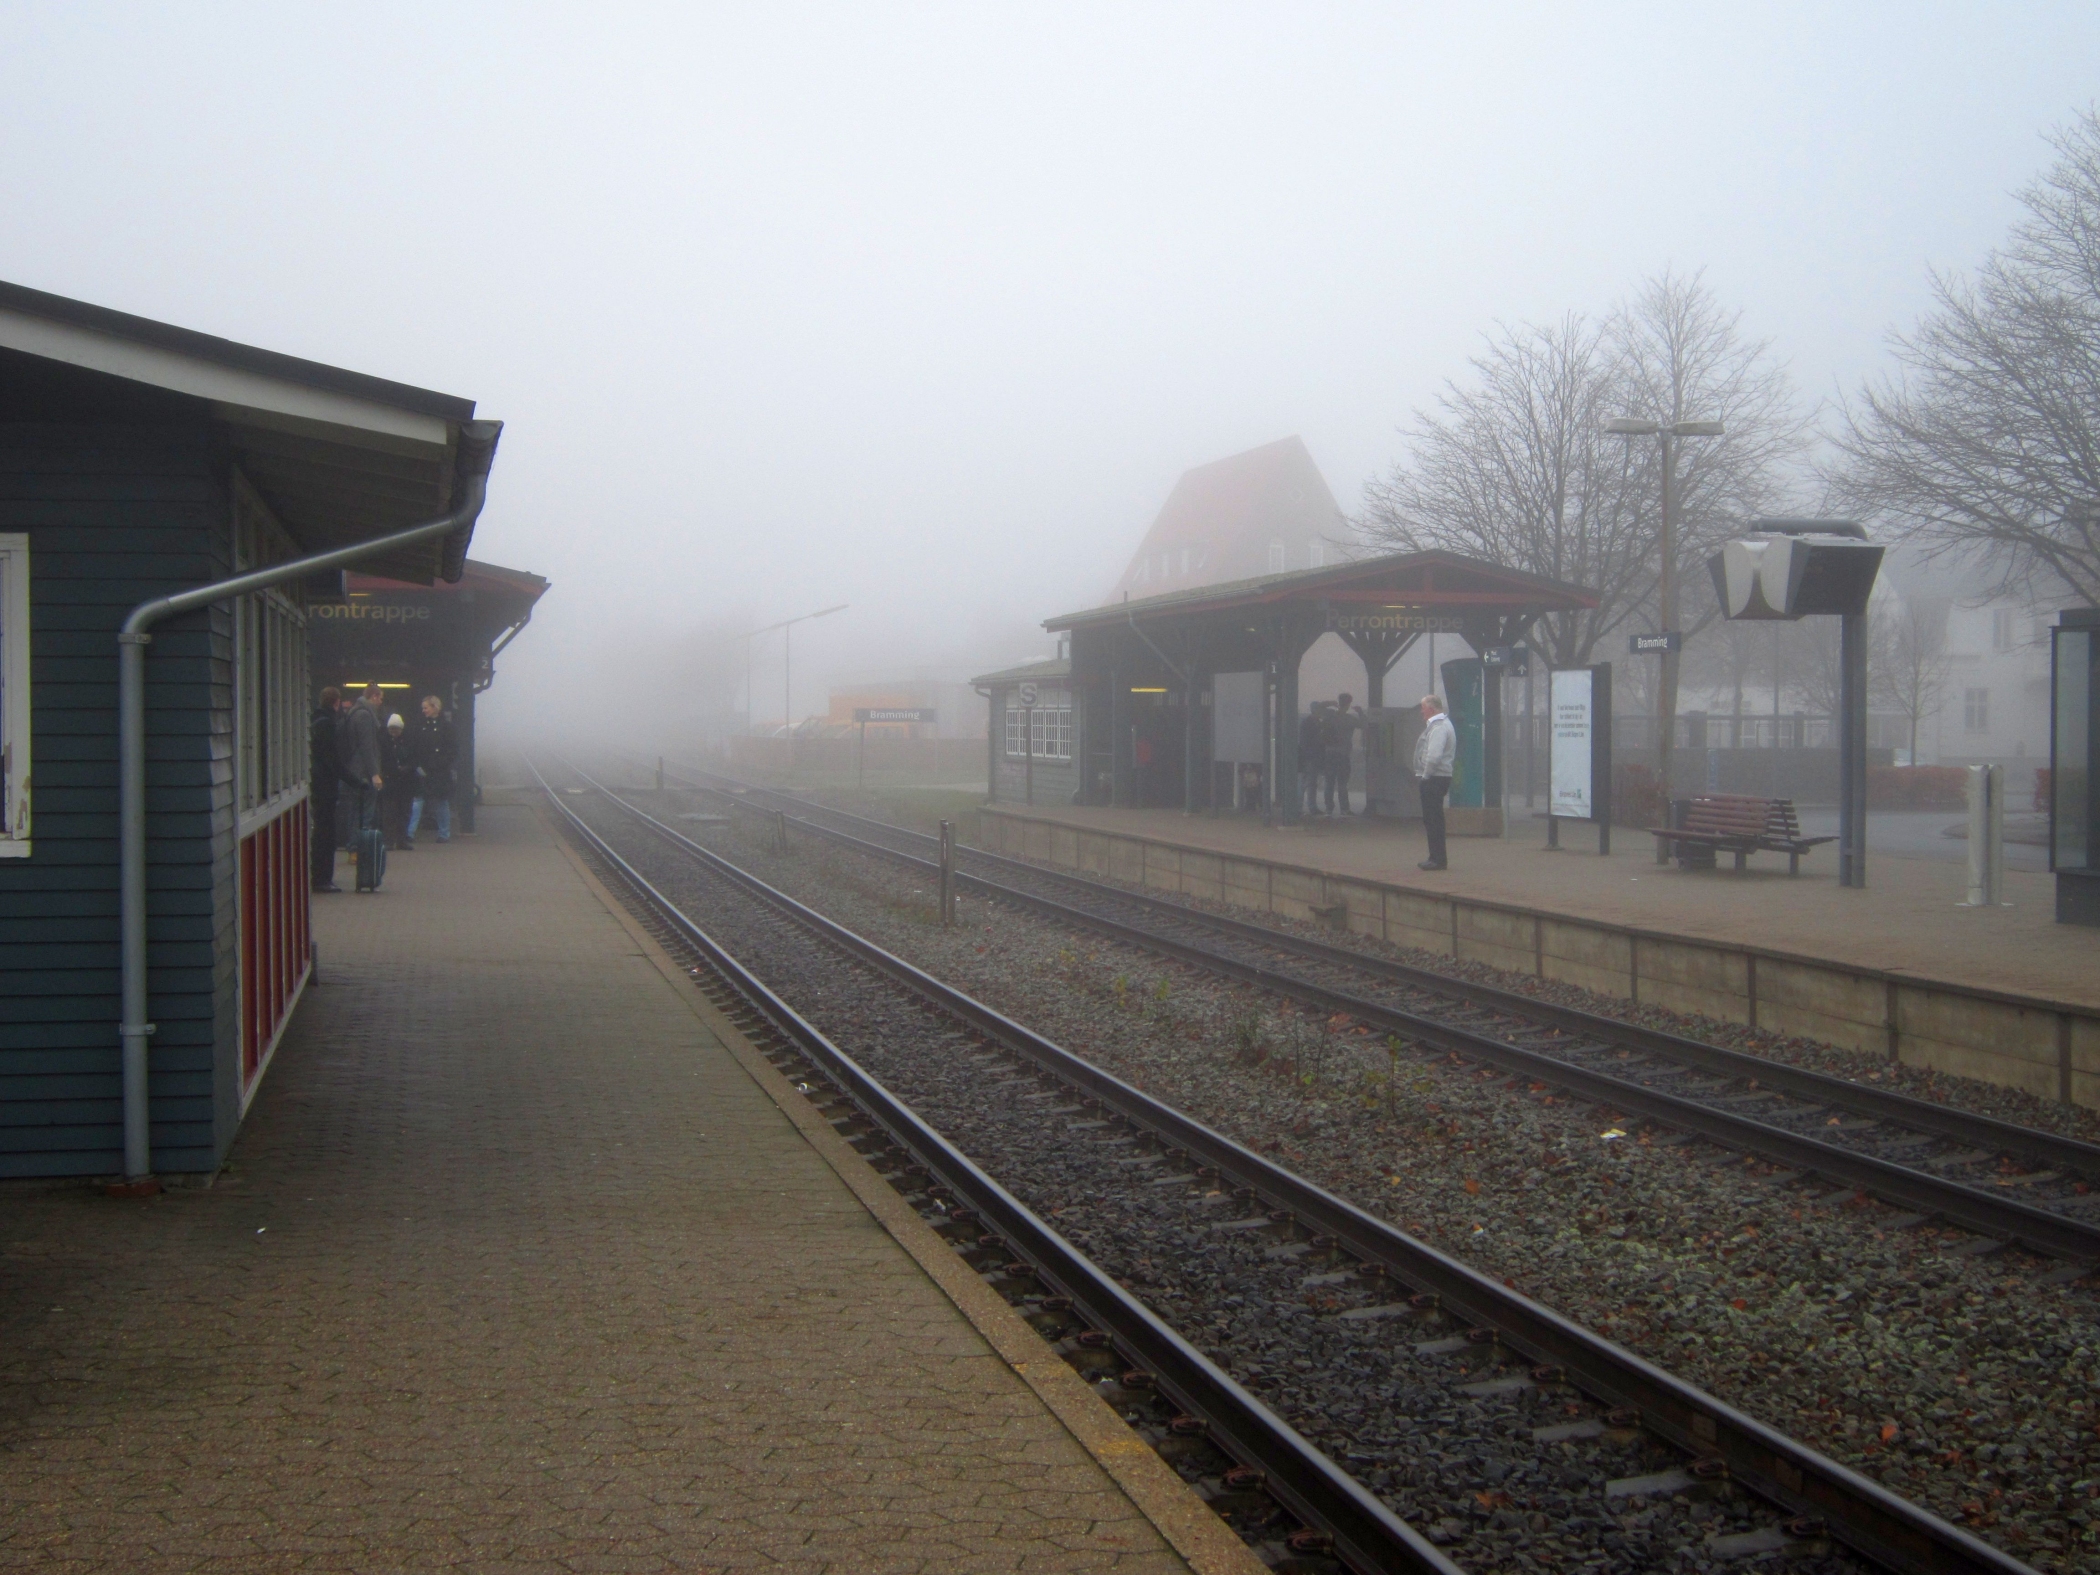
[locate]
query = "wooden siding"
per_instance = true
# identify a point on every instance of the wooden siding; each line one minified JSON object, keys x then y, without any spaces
{"x":116,"y":514}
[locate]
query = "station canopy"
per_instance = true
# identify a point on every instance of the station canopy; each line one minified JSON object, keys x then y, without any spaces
{"x":1377,"y":606}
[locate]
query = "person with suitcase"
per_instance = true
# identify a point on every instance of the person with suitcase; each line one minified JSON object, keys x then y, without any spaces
{"x":361,"y":765}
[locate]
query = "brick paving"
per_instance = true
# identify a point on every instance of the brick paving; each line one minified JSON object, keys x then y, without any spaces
{"x":513,"y":1269}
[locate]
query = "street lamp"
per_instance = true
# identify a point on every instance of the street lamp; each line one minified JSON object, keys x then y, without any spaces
{"x":1666,"y":591}
{"x":787,"y":625}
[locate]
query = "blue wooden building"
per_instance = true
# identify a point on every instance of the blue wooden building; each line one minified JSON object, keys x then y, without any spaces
{"x":138,"y":460}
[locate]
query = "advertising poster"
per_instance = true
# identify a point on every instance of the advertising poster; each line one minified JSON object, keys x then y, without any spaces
{"x":1572,"y":754}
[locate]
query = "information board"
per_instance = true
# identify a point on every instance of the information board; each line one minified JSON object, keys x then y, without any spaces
{"x":1578,"y":761}
{"x":1235,"y":718}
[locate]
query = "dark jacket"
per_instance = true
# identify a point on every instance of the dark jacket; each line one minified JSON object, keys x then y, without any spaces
{"x":360,"y":745}
{"x":325,"y":753}
{"x":435,"y":754}
{"x":395,"y":764}
{"x":1312,"y":741}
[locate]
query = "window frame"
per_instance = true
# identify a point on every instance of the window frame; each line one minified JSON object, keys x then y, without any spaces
{"x":1976,"y":711}
{"x":1045,"y":732}
{"x":17,"y":776}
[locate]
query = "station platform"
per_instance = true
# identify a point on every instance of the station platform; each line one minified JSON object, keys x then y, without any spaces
{"x":520,"y":1263}
{"x":2005,"y":994}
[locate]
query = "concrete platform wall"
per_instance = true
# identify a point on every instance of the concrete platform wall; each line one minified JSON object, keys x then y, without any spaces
{"x":2049,"y":1050}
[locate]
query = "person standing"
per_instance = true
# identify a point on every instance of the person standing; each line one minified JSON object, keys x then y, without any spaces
{"x":435,"y":754}
{"x":1341,"y":727}
{"x":1436,"y":753}
{"x":1312,"y":759}
{"x":325,"y":766}
{"x":394,"y":768}
{"x":359,"y":744}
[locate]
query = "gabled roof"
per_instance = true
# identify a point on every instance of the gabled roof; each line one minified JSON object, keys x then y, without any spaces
{"x":338,"y":456}
{"x":1428,"y":579}
{"x":1056,"y":668}
{"x":1221,"y":518}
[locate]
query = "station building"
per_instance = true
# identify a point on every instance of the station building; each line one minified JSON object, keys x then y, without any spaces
{"x":1191,"y":700}
{"x":140,"y":460}
{"x":414,"y":640}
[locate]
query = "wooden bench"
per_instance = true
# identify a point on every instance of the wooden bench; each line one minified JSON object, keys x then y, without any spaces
{"x":1742,"y":825}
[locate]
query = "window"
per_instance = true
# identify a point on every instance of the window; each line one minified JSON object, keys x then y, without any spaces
{"x":1316,"y":555}
{"x":14,"y":696}
{"x":1975,"y":710}
{"x":1051,"y":728}
{"x":1276,"y":557}
{"x":269,"y":668}
{"x":2001,"y":628}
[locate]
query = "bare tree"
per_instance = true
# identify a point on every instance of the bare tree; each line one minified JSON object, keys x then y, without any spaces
{"x":1989,"y":435}
{"x":1907,"y":655}
{"x":1683,"y":357}
{"x":1513,"y":466}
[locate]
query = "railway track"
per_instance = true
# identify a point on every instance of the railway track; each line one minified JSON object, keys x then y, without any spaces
{"x":2007,"y":1184}
{"x":1529,"y":1355}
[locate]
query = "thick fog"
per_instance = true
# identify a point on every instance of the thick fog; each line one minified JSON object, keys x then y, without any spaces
{"x":924,"y":309}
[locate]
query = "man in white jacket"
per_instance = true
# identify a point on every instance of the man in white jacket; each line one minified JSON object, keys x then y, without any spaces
{"x":1436,"y":751}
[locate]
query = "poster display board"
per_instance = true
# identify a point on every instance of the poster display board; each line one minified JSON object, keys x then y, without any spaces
{"x":1235,"y":726}
{"x":1578,"y":756}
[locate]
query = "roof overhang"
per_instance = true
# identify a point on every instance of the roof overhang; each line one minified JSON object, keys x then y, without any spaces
{"x":339,"y":457}
{"x":1412,"y":579}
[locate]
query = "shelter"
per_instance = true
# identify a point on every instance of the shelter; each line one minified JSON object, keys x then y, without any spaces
{"x":138,"y":461}
{"x":1031,"y":742}
{"x":1190,"y":699}
{"x":416,"y":640}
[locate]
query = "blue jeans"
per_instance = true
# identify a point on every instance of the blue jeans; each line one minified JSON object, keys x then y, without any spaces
{"x":441,"y":812}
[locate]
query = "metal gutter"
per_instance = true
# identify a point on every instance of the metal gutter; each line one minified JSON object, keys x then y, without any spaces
{"x":476,"y":453}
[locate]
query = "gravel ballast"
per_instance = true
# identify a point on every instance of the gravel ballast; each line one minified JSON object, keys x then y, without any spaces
{"x":1957,"y":1381}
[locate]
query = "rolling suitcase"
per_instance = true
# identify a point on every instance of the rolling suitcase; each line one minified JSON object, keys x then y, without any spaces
{"x":371,"y":858}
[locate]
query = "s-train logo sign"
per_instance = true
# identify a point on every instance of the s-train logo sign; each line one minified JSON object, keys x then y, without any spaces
{"x":371,"y":612}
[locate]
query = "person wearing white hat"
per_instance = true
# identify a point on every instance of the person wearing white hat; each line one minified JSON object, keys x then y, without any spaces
{"x":400,"y":783}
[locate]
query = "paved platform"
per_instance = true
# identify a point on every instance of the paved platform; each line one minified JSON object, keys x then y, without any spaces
{"x":516,"y":1267}
{"x":1905,"y":921}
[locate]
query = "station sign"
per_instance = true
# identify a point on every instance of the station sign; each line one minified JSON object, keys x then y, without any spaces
{"x":895,"y":714}
{"x":1655,"y":644}
{"x":1029,"y":693}
{"x":1511,"y":661}
{"x":1396,"y":620}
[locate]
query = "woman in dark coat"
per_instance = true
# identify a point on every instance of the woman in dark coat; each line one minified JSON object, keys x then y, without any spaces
{"x":399,"y":773}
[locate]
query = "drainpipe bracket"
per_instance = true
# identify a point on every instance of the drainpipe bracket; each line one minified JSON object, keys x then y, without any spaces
{"x":129,"y":638}
{"x":137,"y":1030}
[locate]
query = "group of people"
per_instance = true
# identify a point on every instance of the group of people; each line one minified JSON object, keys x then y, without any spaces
{"x":390,"y":771}
{"x":1326,"y":740}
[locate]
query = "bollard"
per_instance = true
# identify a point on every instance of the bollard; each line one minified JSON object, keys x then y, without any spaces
{"x":947,"y":872}
{"x":1986,"y":838}
{"x":659,"y":773}
{"x":780,"y":831}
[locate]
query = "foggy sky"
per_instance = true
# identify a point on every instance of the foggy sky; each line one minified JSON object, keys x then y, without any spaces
{"x":925,"y":308}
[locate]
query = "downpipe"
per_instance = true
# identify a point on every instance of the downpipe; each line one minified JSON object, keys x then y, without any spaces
{"x":476,"y":453}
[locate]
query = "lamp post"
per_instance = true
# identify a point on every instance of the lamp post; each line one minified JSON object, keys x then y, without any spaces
{"x":787,"y":657}
{"x":787,"y":626}
{"x":1666,"y":589}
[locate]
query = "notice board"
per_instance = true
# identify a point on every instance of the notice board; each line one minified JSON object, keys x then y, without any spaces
{"x":1578,"y":755}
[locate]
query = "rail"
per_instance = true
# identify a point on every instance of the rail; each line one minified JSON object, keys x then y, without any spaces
{"x":1884,"y":1527}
